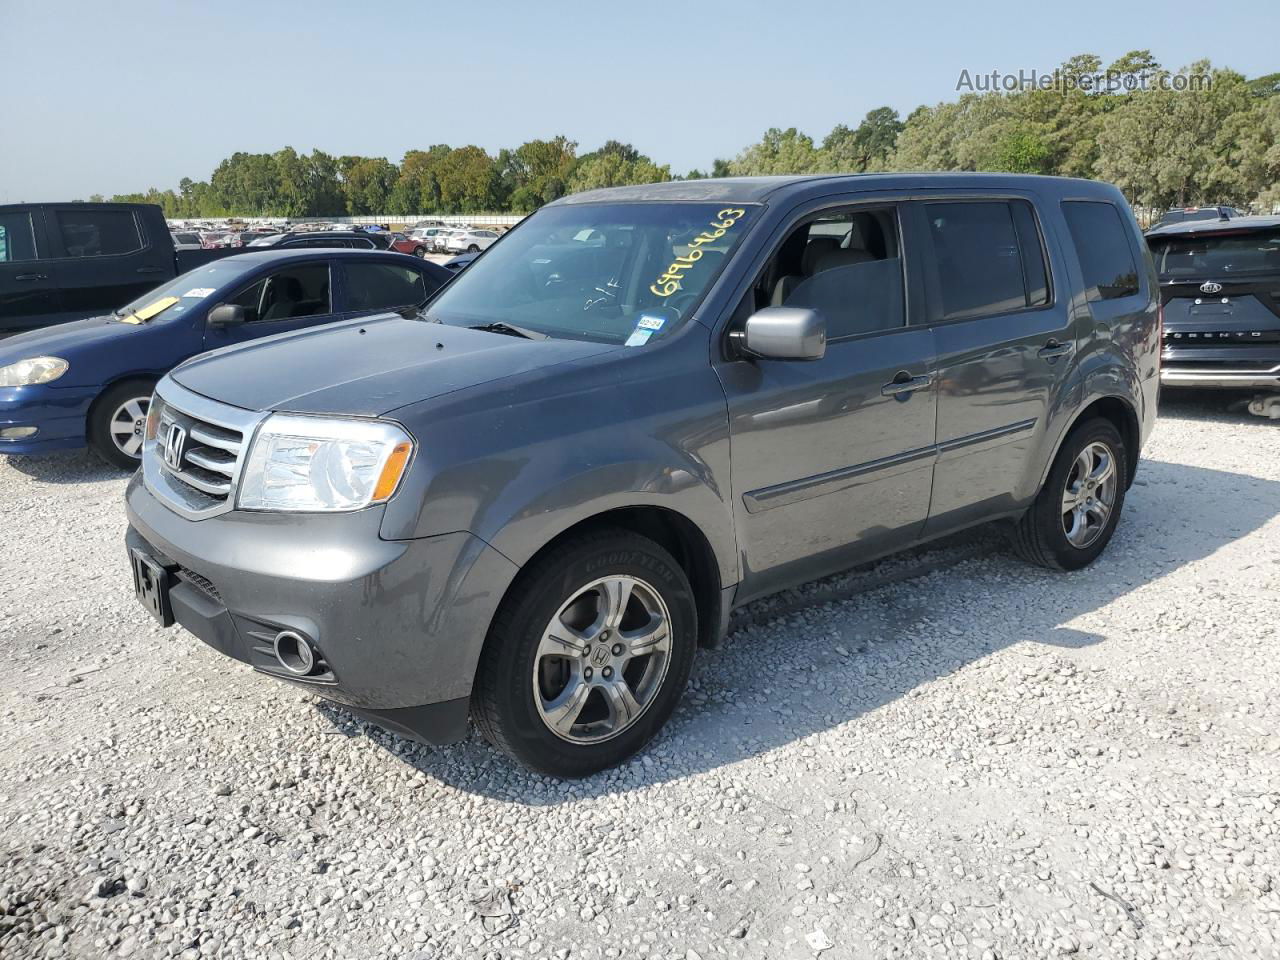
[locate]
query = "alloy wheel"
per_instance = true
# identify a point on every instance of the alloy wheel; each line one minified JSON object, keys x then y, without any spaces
{"x":127,"y":425}
{"x":602,"y":659}
{"x":1089,"y":494}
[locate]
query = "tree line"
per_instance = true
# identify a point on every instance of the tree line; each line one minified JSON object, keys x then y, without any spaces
{"x":1216,"y":142}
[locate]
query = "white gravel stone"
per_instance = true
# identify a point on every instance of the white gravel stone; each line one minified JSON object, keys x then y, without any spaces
{"x":947,"y":754}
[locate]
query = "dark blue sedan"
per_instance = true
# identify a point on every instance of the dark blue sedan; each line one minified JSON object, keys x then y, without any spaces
{"x":89,"y":382}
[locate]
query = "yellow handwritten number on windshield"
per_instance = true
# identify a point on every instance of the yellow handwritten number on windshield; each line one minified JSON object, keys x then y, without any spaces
{"x":670,"y":281}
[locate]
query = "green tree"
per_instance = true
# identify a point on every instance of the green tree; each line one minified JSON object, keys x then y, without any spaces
{"x":367,"y":184}
{"x":778,"y":152}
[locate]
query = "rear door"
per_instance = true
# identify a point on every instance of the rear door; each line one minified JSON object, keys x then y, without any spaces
{"x":104,"y":257}
{"x":28,"y":292}
{"x":289,"y":298}
{"x":1006,"y":349}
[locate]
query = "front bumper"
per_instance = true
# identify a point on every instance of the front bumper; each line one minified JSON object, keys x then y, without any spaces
{"x":57,"y":413}
{"x":398,"y":625}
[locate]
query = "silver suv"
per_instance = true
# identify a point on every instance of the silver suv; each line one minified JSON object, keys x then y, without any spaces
{"x":533,"y":501}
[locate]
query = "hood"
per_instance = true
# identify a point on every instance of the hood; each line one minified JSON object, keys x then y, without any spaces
{"x":64,"y":339}
{"x":367,"y":367}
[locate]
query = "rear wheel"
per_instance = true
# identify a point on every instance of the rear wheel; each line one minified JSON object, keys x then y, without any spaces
{"x":473,"y":249}
{"x":420,"y":252}
{"x":588,"y":656}
{"x":117,"y":421}
{"x":1077,"y":510}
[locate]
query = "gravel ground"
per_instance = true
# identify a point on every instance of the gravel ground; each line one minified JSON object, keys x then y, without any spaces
{"x":950,"y":754}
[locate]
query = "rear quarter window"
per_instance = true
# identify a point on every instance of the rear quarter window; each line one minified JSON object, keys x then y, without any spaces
{"x":1101,"y":240}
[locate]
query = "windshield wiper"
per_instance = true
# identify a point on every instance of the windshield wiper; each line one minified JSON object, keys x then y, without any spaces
{"x":511,"y":330}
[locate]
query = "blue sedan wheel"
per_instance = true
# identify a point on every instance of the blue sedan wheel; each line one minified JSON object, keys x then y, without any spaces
{"x":118,"y":422}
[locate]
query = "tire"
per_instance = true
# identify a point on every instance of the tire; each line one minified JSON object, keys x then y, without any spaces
{"x":108,"y":416}
{"x":528,"y":679}
{"x":1051,"y":536}
{"x":420,"y":252}
{"x":473,"y":249}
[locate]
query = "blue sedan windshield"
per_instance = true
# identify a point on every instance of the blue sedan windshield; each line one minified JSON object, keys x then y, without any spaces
{"x":609,"y":272}
{"x":189,"y":289}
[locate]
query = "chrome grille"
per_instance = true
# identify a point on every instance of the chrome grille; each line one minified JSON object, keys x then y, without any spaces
{"x":193,"y":462}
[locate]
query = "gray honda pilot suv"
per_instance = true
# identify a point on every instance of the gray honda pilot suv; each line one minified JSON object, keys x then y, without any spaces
{"x":532,"y":501}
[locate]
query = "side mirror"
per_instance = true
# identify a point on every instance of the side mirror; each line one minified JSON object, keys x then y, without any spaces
{"x":785,"y":333}
{"x":226,"y":315}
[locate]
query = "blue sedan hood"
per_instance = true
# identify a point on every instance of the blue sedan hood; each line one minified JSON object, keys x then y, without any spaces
{"x":368,"y":367}
{"x":75,"y":341}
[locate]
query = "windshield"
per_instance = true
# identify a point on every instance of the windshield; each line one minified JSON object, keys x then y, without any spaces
{"x":612,"y":273}
{"x":1197,"y":256}
{"x":186,"y":292}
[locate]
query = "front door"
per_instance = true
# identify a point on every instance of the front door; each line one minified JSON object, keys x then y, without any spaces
{"x":287,"y":299}
{"x":1006,"y":347}
{"x":833,"y":458}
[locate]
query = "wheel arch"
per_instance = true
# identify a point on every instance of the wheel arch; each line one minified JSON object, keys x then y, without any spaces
{"x":138,"y":376}
{"x":1117,"y":410}
{"x":676,"y":534}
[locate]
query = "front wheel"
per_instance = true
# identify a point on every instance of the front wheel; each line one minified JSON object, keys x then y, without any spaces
{"x":473,"y":249}
{"x":588,"y":655}
{"x":1076,"y":512}
{"x":420,"y":252}
{"x":117,"y":422}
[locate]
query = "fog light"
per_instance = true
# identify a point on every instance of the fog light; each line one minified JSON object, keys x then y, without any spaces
{"x":18,"y":433}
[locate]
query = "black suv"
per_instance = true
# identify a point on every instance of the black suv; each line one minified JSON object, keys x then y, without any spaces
{"x":1220,"y":291}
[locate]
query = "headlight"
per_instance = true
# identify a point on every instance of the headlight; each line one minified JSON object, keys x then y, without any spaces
{"x":24,"y":373}
{"x":318,"y":464}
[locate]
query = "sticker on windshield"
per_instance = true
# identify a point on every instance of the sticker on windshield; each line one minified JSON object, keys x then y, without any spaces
{"x":638,"y":338}
{"x":199,"y":292}
{"x":671,"y":281}
{"x":150,"y":310}
{"x":651,"y":323}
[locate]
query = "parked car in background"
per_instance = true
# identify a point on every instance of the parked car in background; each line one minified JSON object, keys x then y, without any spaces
{"x":461,"y":260}
{"x":186,"y":241}
{"x":1220,"y":290}
{"x":217,"y":239}
{"x":90,"y":382}
{"x":424,"y":240}
{"x":472,"y":241}
{"x":66,"y":261}
{"x":1194,"y":214}
{"x":532,"y":509}
{"x":351,"y":239}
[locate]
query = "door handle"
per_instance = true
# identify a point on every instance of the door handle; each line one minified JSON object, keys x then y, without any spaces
{"x":905,"y":384}
{"x":31,"y":276}
{"x":1054,"y":349}
{"x":150,"y":270}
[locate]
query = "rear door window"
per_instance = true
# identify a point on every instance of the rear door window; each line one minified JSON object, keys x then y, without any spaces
{"x":380,"y":286}
{"x":1101,"y":242}
{"x":97,"y":233}
{"x":17,"y":237}
{"x":988,"y":256}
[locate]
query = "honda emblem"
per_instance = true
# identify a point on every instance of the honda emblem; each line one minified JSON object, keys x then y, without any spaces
{"x":173,"y":443}
{"x":1210,"y":287}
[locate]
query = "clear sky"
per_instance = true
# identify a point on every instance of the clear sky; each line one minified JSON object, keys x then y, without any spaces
{"x":109,"y":96}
